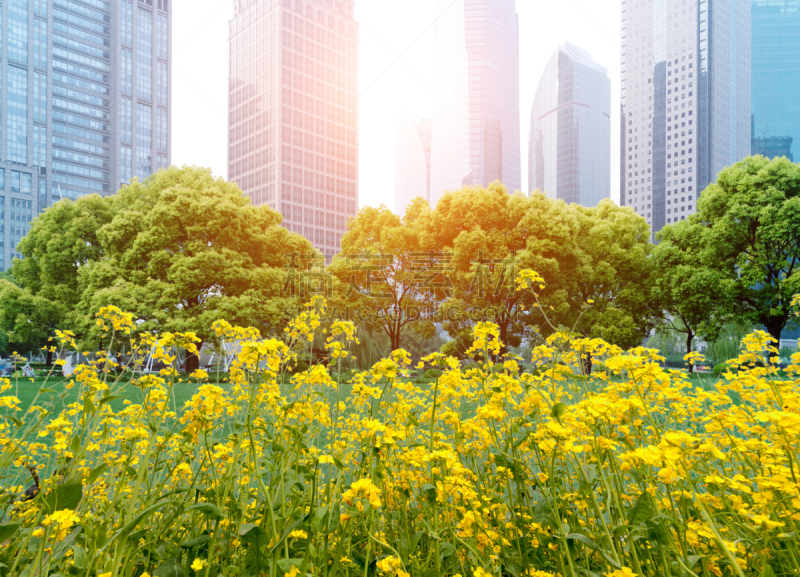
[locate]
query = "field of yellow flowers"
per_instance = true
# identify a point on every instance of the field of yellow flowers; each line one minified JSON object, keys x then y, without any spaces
{"x":486,"y":472}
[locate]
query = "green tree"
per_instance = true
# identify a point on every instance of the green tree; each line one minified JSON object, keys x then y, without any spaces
{"x":751,"y":236}
{"x":381,"y":274}
{"x":478,"y":229}
{"x":592,"y":254}
{"x":689,"y":293}
{"x":185,"y":249}
{"x":179,"y":250}
{"x":27,"y":320}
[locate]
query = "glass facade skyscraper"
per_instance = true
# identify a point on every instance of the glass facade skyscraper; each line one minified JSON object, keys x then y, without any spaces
{"x":70,"y":115}
{"x":685,"y":101}
{"x":776,"y":78}
{"x":570,"y":137}
{"x":293,"y":132}
{"x":475,"y":127}
{"x":412,"y":161}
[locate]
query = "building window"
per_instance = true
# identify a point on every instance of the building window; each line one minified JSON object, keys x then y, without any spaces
{"x":2,"y":178}
{"x":161,"y":132}
{"x":126,"y":115}
{"x":20,"y":220}
{"x":126,"y":22}
{"x":39,"y":97}
{"x":40,"y":43}
{"x":126,"y":64}
{"x":42,"y":195}
{"x":144,"y":126}
{"x":18,"y":30}
{"x":144,"y":56}
{"x":162,"y":36}
{"x":39,"y":145}
{"x":162,"y":83}
{"x":40,"y":8}
{"x":17,"y":115}
{"x":125,"y":163}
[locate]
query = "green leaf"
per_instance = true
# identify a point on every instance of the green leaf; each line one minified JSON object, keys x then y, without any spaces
{"x":594,"y":546}
{"x":448,"y":550}
{"x":658,"y":532}
{"x":66,"y":495}
{"x":14,"y":420}
{"x":319,"y":518}
{"x":129,"y":527}
{"x":252,"y":534}
{"x":287,"y":564}
{"x":95,"y":474}
{"x":558,"y":410}
{"x":208,"y":509}
{"x":642,"y":511}
{"x":110,"y":398}
{"x":196,"y":542}
{"x":767,"y":571}
{"x":7,"y":531}
{"x":169,"y":568}
{"x":430,"y":491}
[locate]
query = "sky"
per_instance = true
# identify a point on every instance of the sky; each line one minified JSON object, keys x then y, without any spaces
{"x":396,"y":75}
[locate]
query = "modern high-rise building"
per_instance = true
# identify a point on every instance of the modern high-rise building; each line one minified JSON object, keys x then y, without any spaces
{"x":685,"y":110}
{"x":776,"y":78}
{"x":85,"y":102}
{"x":475,"y":127}
{"x":569,"y":156}
{"x":412,"y":161}
{"x":293,"y":134}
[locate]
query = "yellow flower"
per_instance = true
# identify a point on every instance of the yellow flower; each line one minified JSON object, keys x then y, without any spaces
{"x":198,"y":564}
{"x":624,"y":572}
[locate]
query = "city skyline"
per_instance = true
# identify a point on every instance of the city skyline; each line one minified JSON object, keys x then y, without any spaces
{"x":86,"y":102}
{"x":570,"y":134}
{"x":396,"y":75}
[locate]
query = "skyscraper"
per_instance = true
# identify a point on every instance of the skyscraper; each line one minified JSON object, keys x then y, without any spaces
{"x":776,"y":78}
{"x":86,"y":102}
{"x":570,"y":138}
{"x":293,"y":134}
{"x":412,"y":161}
{"x":685,"y":110}
{"x":475,"y":127}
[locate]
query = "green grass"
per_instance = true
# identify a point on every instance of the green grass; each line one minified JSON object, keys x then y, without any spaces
{"x":26,"y":390}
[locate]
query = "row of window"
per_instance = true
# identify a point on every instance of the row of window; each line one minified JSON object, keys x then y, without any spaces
{"x":17,"y":182}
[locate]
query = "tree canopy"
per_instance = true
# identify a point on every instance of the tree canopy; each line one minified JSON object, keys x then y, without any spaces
{"x":748,"y":226}
{"x":179,"y":250}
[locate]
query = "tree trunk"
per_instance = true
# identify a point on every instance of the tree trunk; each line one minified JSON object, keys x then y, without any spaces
{"x":587,"y":365}
{"x":775,"y":329}
{"x":49,"y":361}
{"x":193,"y":359}
{"x":394,"y":337}
{"x":689,"y":339}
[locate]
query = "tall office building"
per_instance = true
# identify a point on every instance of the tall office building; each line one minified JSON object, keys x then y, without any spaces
{"x":570,"y":138}
{"x":85,"y":102}
{"x":685,"y":111}
{"x":475,"y":127}
{"x":412,"y":161}
{"x":776,"y":78}
{"x":293,"y":134}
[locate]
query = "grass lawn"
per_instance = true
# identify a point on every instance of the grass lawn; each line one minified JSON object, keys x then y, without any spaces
{"x":27,"y":389}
